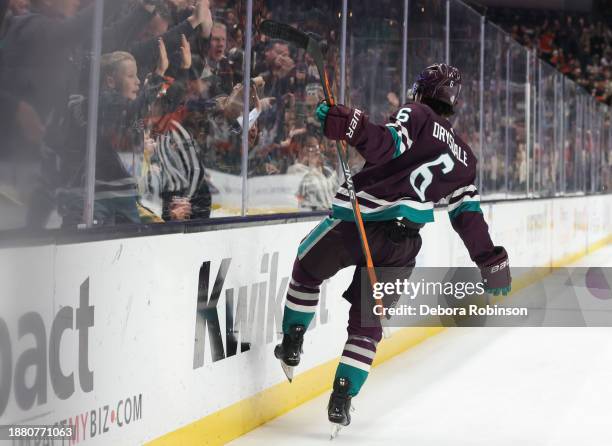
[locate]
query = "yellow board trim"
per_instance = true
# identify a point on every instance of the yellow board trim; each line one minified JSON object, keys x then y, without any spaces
{"x":236,"y":420}
{"x":241,"y":417}
{"x":571,"y":258}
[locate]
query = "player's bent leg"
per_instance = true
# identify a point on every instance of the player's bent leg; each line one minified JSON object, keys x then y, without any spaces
{"x":394,"y":249}
{"x":357,"y":357}
{"x":356,"y":361}
{"x":354,"y":367}
{"x":311,"y":267}
{"x":302,"y":298}
{"x":364,"y":334}
{"x":300,"y":306}
{"x":352,"y":372}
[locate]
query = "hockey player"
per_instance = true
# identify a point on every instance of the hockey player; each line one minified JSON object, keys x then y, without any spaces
{"x":412,"y":162}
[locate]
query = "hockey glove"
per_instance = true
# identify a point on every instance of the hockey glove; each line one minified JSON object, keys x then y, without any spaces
{"x":343,"y":123}
{"x":496,"y":273}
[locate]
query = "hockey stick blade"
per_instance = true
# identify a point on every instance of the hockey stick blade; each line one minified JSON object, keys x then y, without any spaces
{"x":285,"y":32}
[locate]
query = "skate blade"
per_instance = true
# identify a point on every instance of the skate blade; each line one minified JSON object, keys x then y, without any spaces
{"x":386,"y":332}
{"x":335,"y":430}
{"x":288,"y":371}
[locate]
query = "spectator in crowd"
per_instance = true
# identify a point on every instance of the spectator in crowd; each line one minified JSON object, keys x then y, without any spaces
{"x":124,"y":102}
{"x":11,"y":8}
{"x":19,"y":7}
{"x":276,"y":65}
{"x":216,"y":66}
{"x":319,"y":183}
{"x":158,"y":25}
{"x":276,"y":70}
{"x":197,"y":25}
{"x":15,"y":112}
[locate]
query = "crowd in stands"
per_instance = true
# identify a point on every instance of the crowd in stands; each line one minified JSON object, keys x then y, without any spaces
{"x":170,"y":106}
{"x":169,"y":133}
{"x":578,"y":45}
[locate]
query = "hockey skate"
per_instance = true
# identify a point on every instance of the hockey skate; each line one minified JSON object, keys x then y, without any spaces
{"x":339,"y":407}
{"x":289,"y":351}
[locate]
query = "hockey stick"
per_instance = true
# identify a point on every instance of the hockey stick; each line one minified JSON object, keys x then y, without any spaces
{"x":302,"y":40}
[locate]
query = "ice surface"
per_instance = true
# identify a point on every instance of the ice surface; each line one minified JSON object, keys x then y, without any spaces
{"x":473,"y":387}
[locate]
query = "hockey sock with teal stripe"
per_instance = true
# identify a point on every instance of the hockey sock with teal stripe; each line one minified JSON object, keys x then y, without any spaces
{"x":356,"y":360}
{"x":300,"y":306}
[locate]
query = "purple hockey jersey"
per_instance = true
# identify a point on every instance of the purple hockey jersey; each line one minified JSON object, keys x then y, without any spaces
{"x":413,"y":162}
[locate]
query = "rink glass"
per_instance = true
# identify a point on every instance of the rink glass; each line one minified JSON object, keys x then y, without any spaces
{"x":495,"y":113}
{"x":542,"y":134}
{"x":374,"y":61}
{"x":516,"y":142}
{"x":291,"y":167}
{"x":464,"y":53}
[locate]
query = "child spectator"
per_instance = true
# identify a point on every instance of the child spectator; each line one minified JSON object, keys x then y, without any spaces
{"x":120,"y":147}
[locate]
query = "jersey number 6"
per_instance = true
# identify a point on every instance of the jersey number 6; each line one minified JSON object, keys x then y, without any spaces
{"x":424,"y":170}
{"x":403,"y":115}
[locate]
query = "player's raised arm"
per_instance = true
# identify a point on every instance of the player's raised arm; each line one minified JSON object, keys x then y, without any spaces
{"x":468,"y":221}
{"x":376,"y":143}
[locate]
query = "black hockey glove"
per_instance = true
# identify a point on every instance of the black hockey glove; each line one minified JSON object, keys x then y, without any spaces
{"x":496,"y":273}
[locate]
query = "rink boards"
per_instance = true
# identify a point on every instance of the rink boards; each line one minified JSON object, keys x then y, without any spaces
{"x":141,"y":340}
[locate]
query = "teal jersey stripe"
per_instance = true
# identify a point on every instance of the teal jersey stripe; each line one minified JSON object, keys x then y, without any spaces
{"x":316,"y":234}
{"x":468,"y":206}
{"x":399,"y":211}
{"x":398,"y":142}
